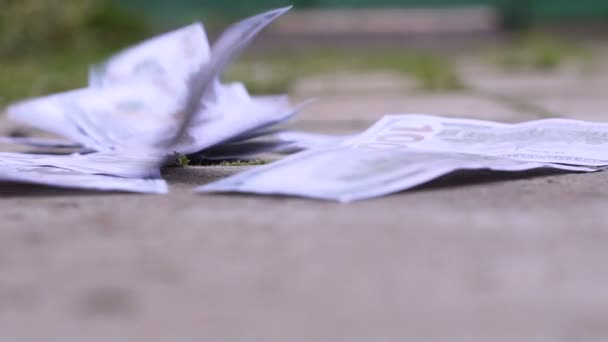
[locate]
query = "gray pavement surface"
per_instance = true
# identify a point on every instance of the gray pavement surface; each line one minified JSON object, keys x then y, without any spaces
{"x":470,"y":257}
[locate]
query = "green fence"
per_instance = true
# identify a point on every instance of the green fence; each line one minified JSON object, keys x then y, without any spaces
{"x":534,"y":10}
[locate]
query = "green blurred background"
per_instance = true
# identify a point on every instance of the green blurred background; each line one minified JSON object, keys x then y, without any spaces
{"x":537,"y":10}
{"x":46,"y":45}
{"x":40,"y":24}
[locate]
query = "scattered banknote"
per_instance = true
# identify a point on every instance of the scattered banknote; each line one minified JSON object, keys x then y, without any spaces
{"x":403,"y":151}
{"x":178,"y":54}
{"x":91,"y":172}
{"x":40,"y":142}
{"x":64,"y":178}
{"x":142,"y":107}
{"x":549,"y":140}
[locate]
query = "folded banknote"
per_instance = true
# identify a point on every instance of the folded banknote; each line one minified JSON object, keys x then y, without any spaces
{"x":403,"y":151}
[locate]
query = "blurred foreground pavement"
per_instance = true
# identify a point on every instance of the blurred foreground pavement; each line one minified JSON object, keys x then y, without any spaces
{"x":472,"y":257}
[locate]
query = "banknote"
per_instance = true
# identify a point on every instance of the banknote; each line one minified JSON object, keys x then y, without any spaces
{"x":549,"y":140}
{"x":47,"y":113}
{"x":350,"y":174}
{"x":220,"y":112}
{"x":108,"y":163}
{"x":131,"y":167}
{"x":178,"y":54}
{"x":110,"y":118}
{"x":235,"y":119}
{"x":41,"y":142}
{"x":383,"y":160}
{"x":22,"y":169}
{"x":231,"y":43}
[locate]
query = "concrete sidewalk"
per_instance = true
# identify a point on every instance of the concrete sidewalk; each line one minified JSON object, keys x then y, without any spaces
{"x":471,"y":257}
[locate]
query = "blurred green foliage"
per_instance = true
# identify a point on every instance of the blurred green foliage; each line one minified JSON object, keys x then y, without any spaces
{"x":46,"y":46}
{"x":24,"y":23}
{"x":277,"y":72}
{"x":541,"y":52}
{"x":36,"y":26}
{"x":39,"y":74}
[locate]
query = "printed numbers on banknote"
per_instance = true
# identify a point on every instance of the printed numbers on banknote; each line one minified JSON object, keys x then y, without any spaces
{"x":398,"y":136}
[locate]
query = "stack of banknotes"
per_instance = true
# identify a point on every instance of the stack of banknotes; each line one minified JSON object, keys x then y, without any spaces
{"x":163,"y":98}
{"x":155,"y":100}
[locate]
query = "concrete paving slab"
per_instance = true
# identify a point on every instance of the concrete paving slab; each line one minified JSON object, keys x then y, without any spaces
{"x":389,"y":21}
{"x":470,"y":258}
{"x":341,"y":114}
{"x":592,"y":108}
{"x":531,"y":84}
{"x":352,"y":85}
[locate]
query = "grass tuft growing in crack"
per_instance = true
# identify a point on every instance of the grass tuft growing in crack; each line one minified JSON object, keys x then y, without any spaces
{"x":183,"y":161}
{"x":241,"y":163}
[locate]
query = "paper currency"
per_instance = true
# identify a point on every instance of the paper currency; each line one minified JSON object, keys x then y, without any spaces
{"x":136,"y":97}
{"x":223,"y":111}
{"x":15,"y":171}
{"x":117,"y":118}
{"x":178,"y":54}
{"x":549,"y":140}
{"x":228,"y":46}
{"x":94,"y":163}
{"x":40,"y":142}
{"x":95,"y":171}
{"x":138,"y":111}
{"x":404,"y":151}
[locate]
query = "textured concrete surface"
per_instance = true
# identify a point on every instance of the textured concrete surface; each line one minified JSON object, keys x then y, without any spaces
{"x":471,"y":257}
{"x":389,"y":21}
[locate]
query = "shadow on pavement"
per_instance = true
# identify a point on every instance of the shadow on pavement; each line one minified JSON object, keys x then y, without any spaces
{"x":480,"y":177}
{"x":196,"y":176}
{"x":11,"y":189}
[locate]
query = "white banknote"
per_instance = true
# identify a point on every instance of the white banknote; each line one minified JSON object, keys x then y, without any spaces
{"x":40,"y":142}
{"x":234,"y":118}
{"x":108,"y":163}
{"x":114,"y":118}
{"x":394,"y":155}
{"x":349,"y":174}
{"x":178,"y":54}
{"x":226,"y":110}
{"x":61,"y":172}
{"x":549,"y":140}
